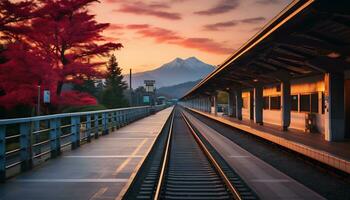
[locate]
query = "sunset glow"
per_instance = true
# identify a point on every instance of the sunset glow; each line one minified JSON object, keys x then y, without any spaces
{"x":156,"y":32}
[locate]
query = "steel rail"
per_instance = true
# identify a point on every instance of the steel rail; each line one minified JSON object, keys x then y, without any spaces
{"x":165,"y":160}
{"x":232,"y":189}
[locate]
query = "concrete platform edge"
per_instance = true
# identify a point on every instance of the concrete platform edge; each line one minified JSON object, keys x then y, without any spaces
{"x":319,"y":155}
{"x":134,"y":173}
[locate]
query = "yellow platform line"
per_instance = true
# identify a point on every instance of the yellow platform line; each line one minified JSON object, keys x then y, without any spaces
{"x":99,"y":193}
{"x":122,"y":166}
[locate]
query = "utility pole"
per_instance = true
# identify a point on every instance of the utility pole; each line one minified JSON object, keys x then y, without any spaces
{"x":130,"y":87}
{"x":38,"y":106}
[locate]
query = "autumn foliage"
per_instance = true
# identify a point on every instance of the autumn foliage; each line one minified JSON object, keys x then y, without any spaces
{"x":51,"y":43}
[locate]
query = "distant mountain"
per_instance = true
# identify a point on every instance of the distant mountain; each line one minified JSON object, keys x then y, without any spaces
{"x":177,"y":91}
{"x":172,"y":73}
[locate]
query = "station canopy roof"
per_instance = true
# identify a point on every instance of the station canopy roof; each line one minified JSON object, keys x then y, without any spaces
{"x":308,"y":37}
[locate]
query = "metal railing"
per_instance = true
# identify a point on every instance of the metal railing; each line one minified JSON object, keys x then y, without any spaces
{"x":25,"y":142}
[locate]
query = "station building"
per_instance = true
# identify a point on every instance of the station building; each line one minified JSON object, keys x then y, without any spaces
{"x":294,"y":74}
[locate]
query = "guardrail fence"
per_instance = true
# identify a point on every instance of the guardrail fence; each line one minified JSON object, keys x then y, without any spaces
{"x":25,"y":142}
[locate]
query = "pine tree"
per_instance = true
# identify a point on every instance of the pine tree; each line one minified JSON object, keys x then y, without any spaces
{"x":112,"y":96}
{"x":90,"y":86}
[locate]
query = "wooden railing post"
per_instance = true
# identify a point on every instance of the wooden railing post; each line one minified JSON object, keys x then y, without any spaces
{"x":25,"y":146}
{"x":120,"y":119}
{"x":96,"y":125}
{"x":113,"y":121}
{"x":104,"y":124}
{"x":75,"y":130}
{"x":88,"y":128}
{"x":55,"y":134}
{"x":2,"y":153}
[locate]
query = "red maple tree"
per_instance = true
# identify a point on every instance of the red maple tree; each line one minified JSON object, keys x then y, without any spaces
{"x":52,"y":43}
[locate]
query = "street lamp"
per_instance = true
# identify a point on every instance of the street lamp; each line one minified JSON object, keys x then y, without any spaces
{"x":38,"y":101}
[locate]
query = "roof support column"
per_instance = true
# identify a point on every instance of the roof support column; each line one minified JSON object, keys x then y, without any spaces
{"x":207,"y":104}
{"x":199,"y":103}
{"x":215,"y":106}
{"x":231,"y":103}
{"x":239,"y":104}
{"x":258,"y":105}
{"x":195,"y":103}
{"x":202,"y":104}
{"x":334,"y":107}
{"x":285,"y":104}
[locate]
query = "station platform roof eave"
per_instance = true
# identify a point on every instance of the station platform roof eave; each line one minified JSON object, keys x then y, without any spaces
{"x":306,"y":38}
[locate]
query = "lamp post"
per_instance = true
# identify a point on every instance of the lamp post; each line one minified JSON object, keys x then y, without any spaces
{"x":38,"y":106}
{"x":130,"y":87}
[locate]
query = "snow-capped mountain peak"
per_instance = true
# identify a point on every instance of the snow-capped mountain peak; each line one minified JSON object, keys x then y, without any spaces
{"x":175,"y":72}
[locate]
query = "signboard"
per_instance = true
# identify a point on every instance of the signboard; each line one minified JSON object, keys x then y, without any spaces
{"x":145,"y":99}
{"x":46,"y":96}
{"x":149,"y":85}
{"x":149,"y":82}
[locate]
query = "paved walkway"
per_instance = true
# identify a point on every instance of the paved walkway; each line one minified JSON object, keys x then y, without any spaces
{"x":335,"y":154}
{"x":97,"y":170}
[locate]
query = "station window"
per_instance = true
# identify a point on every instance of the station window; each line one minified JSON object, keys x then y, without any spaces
{"x":314,"y":102}
{"x":305,"y":103}
{"x":275,"y":103}
{"x":266,"y":103}
{"x":295,"y":103}
{"x":245,"y":102}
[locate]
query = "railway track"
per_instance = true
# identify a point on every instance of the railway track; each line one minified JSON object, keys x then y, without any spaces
{"x":183,"y":165}
{"x":324,"y":180}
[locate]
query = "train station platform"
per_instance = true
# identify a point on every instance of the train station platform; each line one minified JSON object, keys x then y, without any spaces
{"x":266,"y":181}
{"x":97,"y":170}
{"x":334,"y":154}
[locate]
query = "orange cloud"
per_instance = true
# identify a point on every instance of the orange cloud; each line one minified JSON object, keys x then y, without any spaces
{"x":222,"y":7}
{"x":137,"y":26}
{"x":115,"y":27}
{"x":204,"y":44}
{"x":222,"y":25}
{"x":162,"y":35}
{"x":151,"y":9}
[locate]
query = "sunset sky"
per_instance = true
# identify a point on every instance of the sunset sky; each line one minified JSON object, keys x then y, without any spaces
{"x":154,"y":32}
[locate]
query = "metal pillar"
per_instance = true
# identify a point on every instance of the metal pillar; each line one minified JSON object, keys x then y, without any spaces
{"x":239,"y":104}
{"x":258,"y":105}
{"x":334,"y":107}
{"x":202,"y":104}
{"x":215,"y":111}
{"x":286,"y":101}
{"x":231,"y":104}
